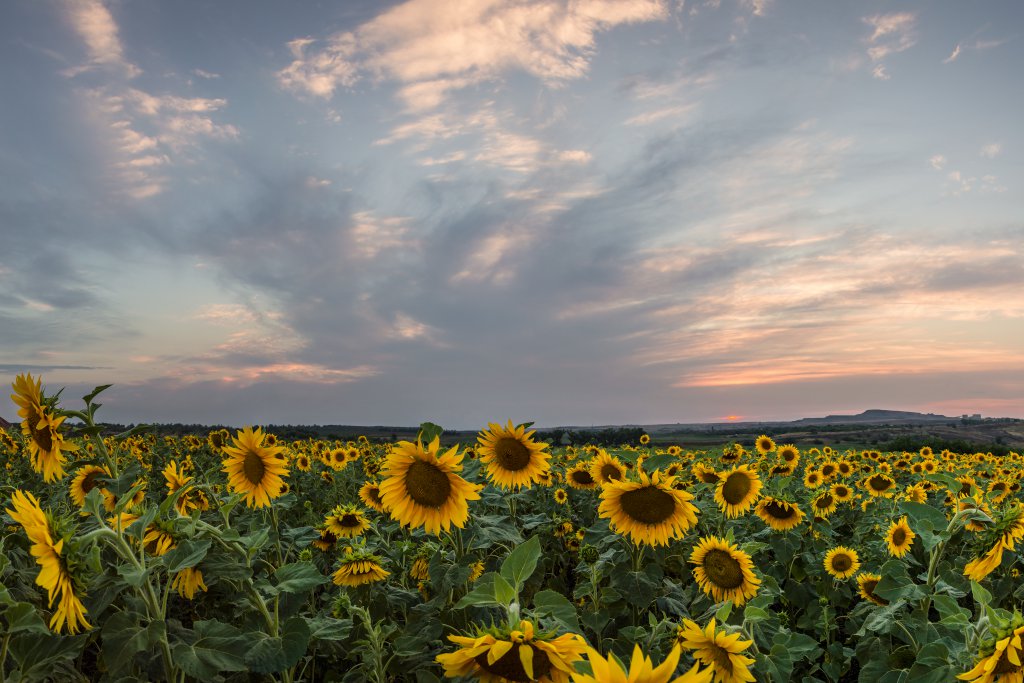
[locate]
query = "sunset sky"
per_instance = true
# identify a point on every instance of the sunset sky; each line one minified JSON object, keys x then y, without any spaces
{"x":565,"y":211}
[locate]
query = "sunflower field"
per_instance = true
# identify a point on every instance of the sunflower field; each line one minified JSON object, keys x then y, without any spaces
{"x":242,"y":557}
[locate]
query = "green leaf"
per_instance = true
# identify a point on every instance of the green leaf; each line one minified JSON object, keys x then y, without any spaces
{"x":922,"y":514}
{"x":521,"y":563}
{"x":482,"y":593}
{"x":133,"y":576}
{"x":213,"y":647}
{"x":724,"y":611}
{"x":980,"y":594}
{"x":188,"y":553}
{"x":896,"y":583}
{"x":22,"y":618}
{"x":269,"y":655}
{"x":428,"y":432}
{"x":558,"y":607}
{"x":755,"y":614}
{"x":328,"y":628}
{"x":122,"y":640}
{"x":96,"y":392}
{"x":504,"y":593}
{"x":657,"y":462}
{"x":298,"y":577}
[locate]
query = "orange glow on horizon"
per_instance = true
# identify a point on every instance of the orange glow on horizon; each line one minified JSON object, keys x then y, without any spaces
{"x":731,"y":418}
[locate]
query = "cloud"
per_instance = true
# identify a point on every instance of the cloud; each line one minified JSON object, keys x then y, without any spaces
{"x":991,"y":150}
{"x":434,"y":48}
{"x":96,"y":27}
{"x":953,"y":55}
{"x":938,"y":162}
{"x":891,"y":34}
{"x":205,"y":74}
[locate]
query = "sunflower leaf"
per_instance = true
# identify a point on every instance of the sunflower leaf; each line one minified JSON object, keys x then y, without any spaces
{"x":188,"y":553}
{"x":429,"y":431}
{"x":558,"y":607}
{"x":297,"y":577}
{"x":482,"y":593}
{"x":268,"y":654}
{"x":521,"y":563}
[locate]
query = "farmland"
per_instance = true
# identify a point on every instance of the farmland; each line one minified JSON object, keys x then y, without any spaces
{"x":248,"y":555}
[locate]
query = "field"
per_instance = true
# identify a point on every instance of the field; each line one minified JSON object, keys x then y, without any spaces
{"x":241,"y":556}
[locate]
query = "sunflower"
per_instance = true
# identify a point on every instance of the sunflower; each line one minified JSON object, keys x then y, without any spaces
{"x":1003,"y":664}
{"x":303,"y":463}
{"x":54,"y":574}
{"x":723,"y":570}
{"x":641,"y":669}
{"x":844,"y":467}
{"x":841,"y":492}
{"x":85,"y":481}
{"x":254,"y":468}
{"x":737,"y":490}
{"x":824,"y":504}
{"x":424,"y":489}
{"x":866,"y":585}
{"x":560,"y":496}
{"x":880,"y":485}
{"x":420,"y":568}
{"x":358,"y":568}
{"x":788,"y":454}
{"x":705,"y":473}
{"x":674,"y":451}
{"x":327,"y":539}
{"x":346,"y":521}
{"x":764,"y":444}
{"x":337,"y":459}
{"x":649,"y":510}
{"x":512,"y":457}
{"x":899,"y":537}
{"x":476,"y":570}
{"x":8,"y":442}
{"x":780,"y":515}
{"x":605,"y":468}
{"x":813,"y":479}
{"x":369,"y":493}
{"x":501,"y":655}
{"x":842,"y":562}
{"x":158,"y":539}
{"x":718,"y":650}
{"x":187,"y":582}
{"x":189,"y":500}
{"x":41,"y":426}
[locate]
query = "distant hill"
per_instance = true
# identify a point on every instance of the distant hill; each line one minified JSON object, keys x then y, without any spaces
{"x":4,"y":424}
{"x":875,"y":416}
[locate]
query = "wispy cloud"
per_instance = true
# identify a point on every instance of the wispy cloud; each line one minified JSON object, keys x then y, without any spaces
{"x":991,"y":150}
{"x":891,"y":34}
{"x":953,"y":55}
{"x":95,"y":25}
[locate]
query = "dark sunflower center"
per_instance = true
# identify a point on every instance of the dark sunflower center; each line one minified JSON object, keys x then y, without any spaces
{"x":582,"y":477}
{"x":879,"y":483}
{"x":427,"y":484}
{"x":737,"y":486}
{"x":720,"y":658}
{"x":1005,"y":666}
{"x":649,"y":505}
{"x":827,"y":470}
{"x":349,"y":520}
{"x":373,"y":493}
{"x":512,"y":454}
{"x":42,"y":437}
{"x":216,"y":441}
{"x":788,"y":456}
{"x":89,"y":483}
{"x":722,"y":569}
{"x":510,"y":665}
{"x":824,"y":502}
{"x":253,"y":467}
{"x":709,"y":477}
{"x":610,"y":472}
{"x":869,"y":588}
{"x":898,"y":536}
{"x":965,"y":488}
{"x":779,"y":510}
{"x":842,"y":491}
{"x":327,"y":536}
{"x":842,"y":562}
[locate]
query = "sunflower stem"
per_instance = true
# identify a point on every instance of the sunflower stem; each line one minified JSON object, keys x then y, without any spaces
{"x":913,"y":641}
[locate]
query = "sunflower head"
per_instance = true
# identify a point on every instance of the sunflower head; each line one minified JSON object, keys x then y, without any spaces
{"x":369,"y":493}
{"x":346,"y":521}
{"x":512,"y":457}
{"x":648,"y":509}
{"x":358,"y":567}
{"x":717,"y":649}
{"x":606,"y":468}
{"x":842,"y":562}
{"x":780,"y":515}
{"x":899,"y":537}
{"x":641,"y":669}
{"x":41,"y":427}
{"x":764,"y":444}
{"x":723,"y":570}
{"x":253,"y":468}
{"x":737,"y":490}
{"x":513,"y":654}
{"x":880,"y":485}
{"x":866,"y":585}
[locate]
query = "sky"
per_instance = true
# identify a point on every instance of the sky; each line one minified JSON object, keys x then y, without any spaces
{"x":573,"y":212}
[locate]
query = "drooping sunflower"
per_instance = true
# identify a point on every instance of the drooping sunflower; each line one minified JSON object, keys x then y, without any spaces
{"x":648,"y":510}
{"x":737,"y":490}
{"x":326,"y":540}
{"x":866,"y":585}
{"x":724,"y":571}
{"x":842,"y":562}
{"x":764,"y":444}
{"x":641,"y":669}
{"x":358,"y":568}
{"x":346,"y":521}
{"x":605,"y":468}
{"x":501,"y":654}
{"x":158,"y":539}
{"x":880,"y":485}
{"x":369,"y":493}
{"x":899,"y":537}
{"x":579,"y":477}
{"x":718,"y":650}
{"x":423,"y":489}
{"x":420,"y":569}
{"x":1001,"y":663}
{"x":188,"y":581}
{"x":780,"y":515}
{"x":177,"y":478}
{"x":512,"y":457}
{"x":41,"y":426}
{"x":85,"y":481}
{"x":253,"y":468}
{"x":54,"y":574}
